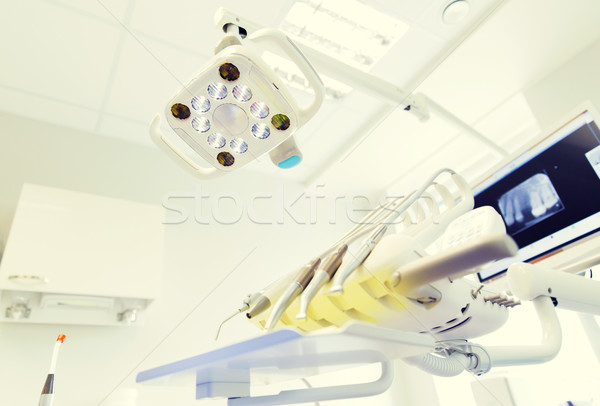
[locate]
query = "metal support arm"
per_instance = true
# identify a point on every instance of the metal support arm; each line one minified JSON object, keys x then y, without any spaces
{"x":533,"y":354}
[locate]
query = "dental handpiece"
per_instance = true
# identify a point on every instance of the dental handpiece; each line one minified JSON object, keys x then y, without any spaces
{"x":247,"y":302}
{"x":362,"y":254}
{"x":321,"y":277}
{"x":268,"y":295}
{"x":293,"y":289}
{"x":256,"y":303}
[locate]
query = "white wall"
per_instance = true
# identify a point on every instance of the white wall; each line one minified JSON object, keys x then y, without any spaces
{"x":97,"y":365}
{"x":47,"y":154}
{"x":558,"y":93}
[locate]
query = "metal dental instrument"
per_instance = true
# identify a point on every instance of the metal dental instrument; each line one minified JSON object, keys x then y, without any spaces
{"x":248,"y":301}
{"x":385,"y":214}
{"x":359,"y":258}
{"x":294,"y":289}
{"x":321,"y":277}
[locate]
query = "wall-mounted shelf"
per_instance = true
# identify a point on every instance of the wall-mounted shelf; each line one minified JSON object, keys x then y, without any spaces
{"x":78,"y":258}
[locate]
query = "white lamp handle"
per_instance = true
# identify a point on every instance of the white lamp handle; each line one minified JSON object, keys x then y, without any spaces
{"x":285,"y":43}
{"x":179,"y":157}
{"x":286,"y":155}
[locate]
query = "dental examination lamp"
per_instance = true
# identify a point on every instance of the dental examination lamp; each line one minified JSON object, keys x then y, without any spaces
{"x":236,"y":108}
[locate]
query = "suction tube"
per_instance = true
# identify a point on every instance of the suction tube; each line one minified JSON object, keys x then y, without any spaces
{"x":451,"y":365}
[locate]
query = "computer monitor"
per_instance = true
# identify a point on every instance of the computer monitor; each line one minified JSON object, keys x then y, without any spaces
{"x":549,"y":195}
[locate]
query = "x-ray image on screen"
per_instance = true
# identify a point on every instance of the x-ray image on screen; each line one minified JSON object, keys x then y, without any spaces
{"x":529,"y":203}
{"x":593,"y":156}
{"x":548,"y":194}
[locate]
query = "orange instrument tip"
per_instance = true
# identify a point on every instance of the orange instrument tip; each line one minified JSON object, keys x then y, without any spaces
{"x":61,"y":338}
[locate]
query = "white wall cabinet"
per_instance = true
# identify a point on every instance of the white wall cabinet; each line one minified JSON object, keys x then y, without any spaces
{"x":78,"y":258}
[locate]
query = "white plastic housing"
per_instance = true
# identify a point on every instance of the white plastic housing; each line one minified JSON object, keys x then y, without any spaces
{"x":572,"y":292}
{"x":264,"y":89}
{"x":232,"y":119}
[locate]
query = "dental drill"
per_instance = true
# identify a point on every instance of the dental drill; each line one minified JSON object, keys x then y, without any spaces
{"x":321,"y":277}
{"x":294,"y":289}
{"x":362,"y":254}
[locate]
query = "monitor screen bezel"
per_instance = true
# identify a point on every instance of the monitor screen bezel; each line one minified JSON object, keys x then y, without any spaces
{"x":534,"y":147}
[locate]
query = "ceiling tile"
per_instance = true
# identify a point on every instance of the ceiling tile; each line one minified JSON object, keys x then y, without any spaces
{"x":314,"y":131}
{"x":515,"y":47}
{"x":332,"y":136}
{"x":54,"y":53}
{"x":147,"y":77}
{"x":190,"y":24}
{"x":410,"y":59}
{"x":407,"y":10}
{"x":394,"y":147}
{"x":427,"y":43}
{"x":543,"y":35}
{"x":106,"y":10}
{"x":433,"y":22}
{"x":41,"y":108}
{"x":186,"y":24}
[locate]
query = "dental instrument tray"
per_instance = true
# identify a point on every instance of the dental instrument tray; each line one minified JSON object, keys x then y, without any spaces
{"x":287,"y":354}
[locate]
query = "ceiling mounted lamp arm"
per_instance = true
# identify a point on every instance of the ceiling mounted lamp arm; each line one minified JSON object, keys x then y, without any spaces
{"x":468,"y":130}
{"x":417,"y":104}
{"x":284,"y":43}
{"x":225,"y":19}
{"x":233,"y":36}
{"x":366,"y":83}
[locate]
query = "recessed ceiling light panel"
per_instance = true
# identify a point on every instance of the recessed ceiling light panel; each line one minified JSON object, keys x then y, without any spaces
{"x":456,"y":11}
{"x":348,"y":30}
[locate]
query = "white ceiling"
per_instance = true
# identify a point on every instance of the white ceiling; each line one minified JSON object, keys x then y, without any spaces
{"x":108,"y":66}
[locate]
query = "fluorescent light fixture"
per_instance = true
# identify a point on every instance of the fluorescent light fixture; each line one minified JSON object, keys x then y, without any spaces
{"x":348,"y":30}
{"x":294,"y":78}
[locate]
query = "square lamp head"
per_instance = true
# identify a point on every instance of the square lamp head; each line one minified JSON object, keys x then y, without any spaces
{"x":234,"y":110}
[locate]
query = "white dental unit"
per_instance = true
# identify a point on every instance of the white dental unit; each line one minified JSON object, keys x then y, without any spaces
{"x":328,"y":202}
{"x":402,"y":292}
